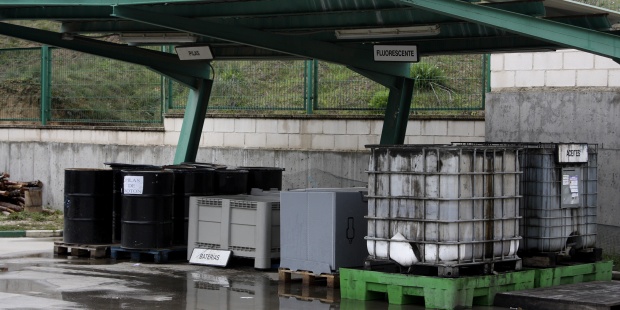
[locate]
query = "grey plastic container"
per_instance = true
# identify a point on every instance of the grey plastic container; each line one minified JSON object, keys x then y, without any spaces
{"x":247,"y":225}
{"x":547,"y":225}
{"x":323,"y":229}
{"x":457,"y":205}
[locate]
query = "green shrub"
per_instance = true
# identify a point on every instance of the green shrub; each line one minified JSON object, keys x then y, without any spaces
{"x":427,"y":76}
{"x":380,"y":99}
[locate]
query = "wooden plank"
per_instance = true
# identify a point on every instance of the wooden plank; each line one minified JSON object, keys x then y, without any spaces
{"x":309,"y":278}
{"x":81,"y":250}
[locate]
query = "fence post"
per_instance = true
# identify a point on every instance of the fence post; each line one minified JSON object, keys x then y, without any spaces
{"x":310,"y":89}
{"x":46,"y":89}
{"x":167,"y":86}
{"x":486,"y":78}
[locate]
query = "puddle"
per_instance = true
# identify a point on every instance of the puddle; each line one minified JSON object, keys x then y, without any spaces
{"x":42,"y":281}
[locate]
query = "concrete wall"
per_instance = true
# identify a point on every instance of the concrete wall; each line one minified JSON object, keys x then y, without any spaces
{"x":567,"y":68}
{"x":314,"y":152}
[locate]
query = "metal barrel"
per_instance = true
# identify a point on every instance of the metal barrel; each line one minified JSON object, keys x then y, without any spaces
{"x":147,"y":206}
{"x":88,"y":206}
{"x":188,"y":181}
{"x":231,"y":181}
{"x":265,"y":178}
{"x":117,"y":202}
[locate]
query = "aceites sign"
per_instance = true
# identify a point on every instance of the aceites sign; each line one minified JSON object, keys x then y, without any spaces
{"x":399,"y":53}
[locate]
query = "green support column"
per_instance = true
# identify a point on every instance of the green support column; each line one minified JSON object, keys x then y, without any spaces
{"x":193,"y":121}
{"x":397,"y":112}
{"x":46,"y":78}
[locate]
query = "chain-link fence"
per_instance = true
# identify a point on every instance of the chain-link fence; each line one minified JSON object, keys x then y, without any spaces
{"x":61,"y":86}
{"x":20,"y":84}
{"x":251,"y":85}
{"x":441,"y":83}
{"x":91,"y":89}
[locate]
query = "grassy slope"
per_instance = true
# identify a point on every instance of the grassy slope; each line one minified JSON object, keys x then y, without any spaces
{"x":91,"y":88}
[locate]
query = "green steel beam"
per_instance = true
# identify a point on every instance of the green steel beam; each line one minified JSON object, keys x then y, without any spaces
{"x":55,"y":12}
{"x":297,"y":46}
{"x":187,"y":73}
{"x":91,"y":2}
{"x":239,"y":9}
{"x":587,"y":40}
{"x":397,"y":112}
{"x":193,"y":120}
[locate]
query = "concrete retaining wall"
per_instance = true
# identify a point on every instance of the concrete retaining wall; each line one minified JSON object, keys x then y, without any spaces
{"x":314,"y":152}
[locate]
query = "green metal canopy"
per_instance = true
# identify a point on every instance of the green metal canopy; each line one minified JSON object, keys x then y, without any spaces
{"x":339,"y":31}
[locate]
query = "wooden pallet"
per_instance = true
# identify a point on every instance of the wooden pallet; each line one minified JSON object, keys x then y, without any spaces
{"x":157,"y":255}
{"x":82,"y":250}
{"x":309,"y":278}
{"x":553,"y":259}
{"x":309,"y":293}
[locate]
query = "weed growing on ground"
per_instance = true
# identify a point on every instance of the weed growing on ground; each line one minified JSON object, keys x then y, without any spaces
{"x":47,"y":220}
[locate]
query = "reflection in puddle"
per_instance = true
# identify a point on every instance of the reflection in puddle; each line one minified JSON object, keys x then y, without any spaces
{"x":217,"y":292}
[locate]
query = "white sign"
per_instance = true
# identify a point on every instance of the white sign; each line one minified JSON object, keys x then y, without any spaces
{"x":133,"y":185}
{"x":401,"y":53}
{"x":572,"y":153}
{"x":210,"y":257}
{"x":194,"y":52}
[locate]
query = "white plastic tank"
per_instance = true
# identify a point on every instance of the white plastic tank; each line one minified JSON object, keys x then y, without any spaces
{"x":549,"y":223}
{"x":443,"y":204}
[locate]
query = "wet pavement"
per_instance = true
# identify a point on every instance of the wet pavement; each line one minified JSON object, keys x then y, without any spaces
{"x":31,"y":277}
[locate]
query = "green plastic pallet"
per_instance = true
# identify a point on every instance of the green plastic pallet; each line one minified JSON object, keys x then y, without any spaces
{"x":600,"y":271}
{"x":433,"y":292}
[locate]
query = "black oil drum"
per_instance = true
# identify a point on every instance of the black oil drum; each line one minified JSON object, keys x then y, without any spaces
{"x":265,"y":178}
{"x":88,"y":206}
{"x":231,"y":181}
{"x":204,"y":165}
{"x":188,"y":181}
{"x":146,"y":213}
{"x":118,"y":193}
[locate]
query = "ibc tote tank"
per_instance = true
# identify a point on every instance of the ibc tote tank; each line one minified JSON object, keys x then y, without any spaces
{"x":454,"y":204}
{"x":559,"y":199}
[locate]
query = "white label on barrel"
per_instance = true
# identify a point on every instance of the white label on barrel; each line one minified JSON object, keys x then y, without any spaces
{"x":133,"y":185}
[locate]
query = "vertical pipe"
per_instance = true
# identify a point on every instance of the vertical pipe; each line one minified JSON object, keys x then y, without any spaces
{"x":46,"y":72}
